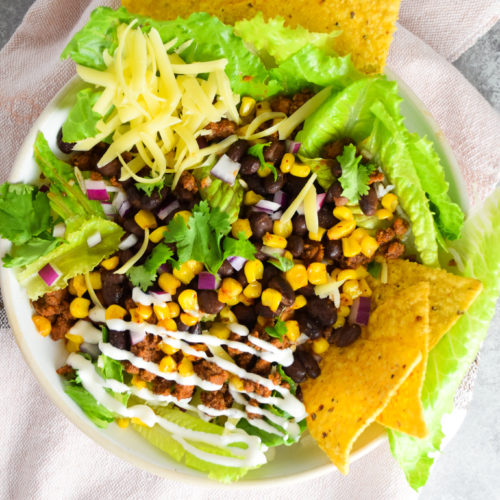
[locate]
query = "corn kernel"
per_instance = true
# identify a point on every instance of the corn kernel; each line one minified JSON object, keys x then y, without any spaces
{"x":300,"y":301}
{"x":167,"y":364}
{"x":339,"y":322}
{"x":341,"y":229}
{"x":345,"y":300}
{"x":79,"y":307}
{"x":271,"y":298}
{"x":383,"y":214}
{"x":227,"y":315}
{"x":95,"y":280}
{"x":231,"y":287}
{"x":261,"y":321}
{"x":343,"y":311}
{"x":145,"y":219}
{"x":185,"y":274}
{"x":251,"y":198}
{"x":220,"y":330}
{"x":122,"y":422}
{"x":343,"y":213}
{"x":174,"y":309}
{"x":288,"y":255}
{"x":247,"y":106}
{"x":111,"y":263}
{"x":317,"y":236}
{"x":168,"y":283}
{"x":299,"y":170}
{"x":144,"y":311}
{"x":188,"y":319}
{"x":361,"y":272}
{"x":185,"y":368}
{"x":115,"y":312}
{"x":347,"y":274}
{"x":77,"y":339}
{"x":316,"y":273}
{"x":188,"y":300}
{"x":77,"y":285}
{"x":253,"y":290}
{"x":283,"y":229}
{"x":157,"y":235}
{"x":241,"y":226}
{"x":351,"y":288}
{"x":247,"y":301}
{"x":254,"y":270}
{"x":350,"y":247}
{"x":359,"y":233}
{"x":292,"y":330}
{"x":137,"y":382}
{"x":195,"y":266}
{"x":42,"y":325}
{"x":274,"y":241}
{"x":390,"y":202}
{"x":369,"y":246}
{"x":168,"y":324}
{"x":320,"y":346}
{"x":231,"y":301}
{"x":236,"y":382}
{"x":287,"y":162}
{"x":335,"y":274}
{"x":135,"y":317}
{"x":138,"y":421}
{"x":167,"y":348}
{"x":185,"y":214}
{"x":263,"y":107}
{"x":366,"y":291}
{"x":161,"y":312}
{"x":72,"y":346}
{"x":263,"y":171}
{"x":297,"y":276}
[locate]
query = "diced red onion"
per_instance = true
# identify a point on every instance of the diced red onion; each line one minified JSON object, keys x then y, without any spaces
{"x":136,"y":336}
{"x":50,"y":274}
{"x":320,"y":199}
{"x":108,"y":208}
{"x":119,"y":198}
{"x":124,"y":208}
{"x":272,"y":252}
{"x":94,"y":239}
{"x":44,"y":188}
{"x":266,"y":206}
{"x":236,"y":262}
{"x":166,"y":211}
{"x":164,"y":268}
{"x":96,"y":190}
{"x":161,"y":295}
{"x":360,"y":311}
{"x":206,"y":281}
{"x":112,"y":189}
{"x":276,"y":215}
{"x":202,"y":142}
{"x":128,"y":242}
{"x":226,"y":169}
{"x":292,"y":146}
{"x":59,"y":230}
{"x":280,"y":197}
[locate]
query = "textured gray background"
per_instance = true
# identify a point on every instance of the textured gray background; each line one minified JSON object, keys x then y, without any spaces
{"x":469,"y":467}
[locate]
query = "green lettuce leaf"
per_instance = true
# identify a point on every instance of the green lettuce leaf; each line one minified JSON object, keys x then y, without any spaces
{"x":163,"y":440}
{"x":22,"y":255}
{"x":479,"y":251}
{"x":81,"y":121}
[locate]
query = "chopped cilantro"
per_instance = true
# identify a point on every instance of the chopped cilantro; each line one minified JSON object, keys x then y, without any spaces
{"x":286,"y":378}
{"x":258,"y":151}
{"x":282,"y":263}
{"x":144,"y":276}
{"x":278,"y":330}
{"x":355,"y":176}
{"x":149,"y":187}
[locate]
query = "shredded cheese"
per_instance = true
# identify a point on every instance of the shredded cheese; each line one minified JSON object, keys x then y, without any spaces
{"x":137,"y":256}
{"x":311,"y":210}
{"x":91,"y":291}
{"x":290,"y":211}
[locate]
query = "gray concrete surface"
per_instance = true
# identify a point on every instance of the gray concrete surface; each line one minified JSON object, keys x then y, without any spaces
{"x":469,"y":467}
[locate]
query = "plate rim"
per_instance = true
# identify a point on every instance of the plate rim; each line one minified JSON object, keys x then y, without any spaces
{"x":84,"y":425}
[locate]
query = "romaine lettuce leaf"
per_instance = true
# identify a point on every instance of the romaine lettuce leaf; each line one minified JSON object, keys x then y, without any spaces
{"x":479,"y":251}
{"x":163,"y":440}
{"x":81,"y":121}
{"x":26,"y":253}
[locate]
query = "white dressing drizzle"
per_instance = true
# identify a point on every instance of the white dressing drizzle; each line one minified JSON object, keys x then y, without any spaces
{"x":87,"y":331}
{"x":149,"y":299}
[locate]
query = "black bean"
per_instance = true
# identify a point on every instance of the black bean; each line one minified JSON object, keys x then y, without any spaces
{"x":323,"y":310}
{"x":333,"y":249}
{"x":298,"y":394}
{"x":308,"y":326}
{"x":65,"y":147}
{"x":264,"y":311}
{"x":226,"y":269}
{"x":260,"y":223}
{"x":306,"y":291}
{"x":293,"y":185}
{"x":111,"y":169}
{"x":120,"y":340}
{"x":237,"y":150}
{"x":326,"y":218}
{"x":125,"y":255}
{"x":287,"y":293}
{"x":275,"y":152}
{"x":309,"y":363}
{"x":270,"y":272}
{"x":260,"y":255}
{"x":336,"y":168}
{"x":296,"y":371}
{"x":273,"y":186}
{"x":345,"y":335}
{"x":208,"y":301}
{"x":334,"y":195}
{"x":249,"y":165}
{"x":244,"y":314}
{"x":241,"y":277}
{"x":131,"y":226}
{"x":368,"y":202}
{"x":299,"y":225}
{"x":202,"y":142}
{"x":113,"y":288}
{"x":255,"y":183}
{"x":296,"y":245}
{"x":140,"y":200}
{"x":181,"y":326}
{"x":195,"y":329}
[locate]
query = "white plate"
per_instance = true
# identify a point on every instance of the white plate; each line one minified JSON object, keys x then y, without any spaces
{"x":301,"y":461}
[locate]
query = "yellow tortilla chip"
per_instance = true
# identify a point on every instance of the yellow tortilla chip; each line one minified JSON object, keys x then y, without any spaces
{"x":405,"y":412}
{"x":366,"y":25}
{"x":358,"y":381}
{"x":450,"y":295}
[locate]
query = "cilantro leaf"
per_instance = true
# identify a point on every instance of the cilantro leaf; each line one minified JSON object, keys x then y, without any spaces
{"x":284,"y":376}
{"x":278,"y":330}
{"x":145,"y":275}
{"x":241,"y":247}
{"x":149,"y":187}
{"x":282,"y":263}
{"x":355,"y":176}
{"x":258,"y":151}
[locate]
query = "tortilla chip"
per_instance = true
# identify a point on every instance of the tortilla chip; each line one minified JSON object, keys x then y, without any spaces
{"x":405,"y":412}
{"x":358,"y":381}
{"x":366,"y":26}
{"x":450,"y":295}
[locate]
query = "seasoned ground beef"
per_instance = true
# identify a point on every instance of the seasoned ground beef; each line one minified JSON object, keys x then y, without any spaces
{"x":162,"y":386}
{"x":66,"y":371}
{"x":148,"y":349}
{"x":400,"y":227}
{"x":385,"y":235}
{"x":52,"y":303}
{"x":219,"y":400}
{"x":220,"y":130}
{"x":210,"y":371}
{"x":394,"y":250}
{"x":183,"y":391}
